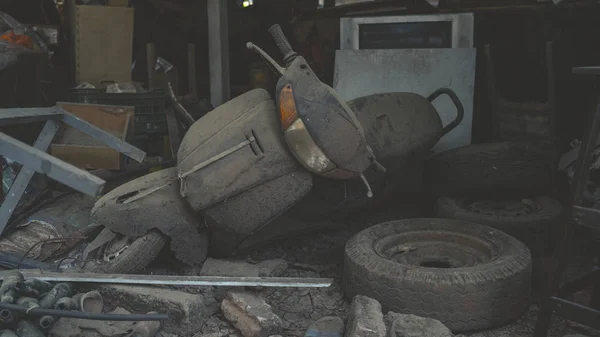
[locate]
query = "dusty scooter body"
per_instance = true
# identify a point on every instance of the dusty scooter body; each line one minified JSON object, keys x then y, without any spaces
{"x":238,"y":167}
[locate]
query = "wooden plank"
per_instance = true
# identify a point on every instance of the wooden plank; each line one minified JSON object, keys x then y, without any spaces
{"x":82,"y":150}
{"x":104,"y":137}
{"x":88,"y":157}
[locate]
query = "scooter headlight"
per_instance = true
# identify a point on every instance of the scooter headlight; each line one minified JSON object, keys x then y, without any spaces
{"x":306,"y":150}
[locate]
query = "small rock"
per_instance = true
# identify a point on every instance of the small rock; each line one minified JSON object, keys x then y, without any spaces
{"x":272,"y":268}
{"x":187,"y":312}
{"x":365,"y":318}
{"x":250,"y":314}
{"x":216,"y":267}
{"x":330,"y":326}
{"x":147,"y":328}
{"x":415,"y":326}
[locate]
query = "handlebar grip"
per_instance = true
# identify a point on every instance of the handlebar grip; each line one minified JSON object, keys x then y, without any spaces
{"x":282,"y":43}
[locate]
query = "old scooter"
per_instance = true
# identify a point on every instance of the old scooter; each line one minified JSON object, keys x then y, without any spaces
{"x":238,"y":167}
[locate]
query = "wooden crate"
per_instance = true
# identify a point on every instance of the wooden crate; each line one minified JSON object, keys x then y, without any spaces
{"x":81,"y":150}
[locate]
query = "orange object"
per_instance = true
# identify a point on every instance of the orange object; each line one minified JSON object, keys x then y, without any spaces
{"x":22,"y":40}
{"x":287,"y":107}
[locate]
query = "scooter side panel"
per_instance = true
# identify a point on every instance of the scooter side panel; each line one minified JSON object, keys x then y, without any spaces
{"x":261,"y":161}
{"x":163,"y":209}
{"x":248,"y":212}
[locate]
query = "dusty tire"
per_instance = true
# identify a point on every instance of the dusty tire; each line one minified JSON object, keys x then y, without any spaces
{"x":140,"y":253}
{"x":533,"y":221}
{"x":511,"y":167}
{"x":485,"y":281}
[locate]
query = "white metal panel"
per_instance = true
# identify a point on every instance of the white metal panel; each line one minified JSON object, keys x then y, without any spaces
{"x":365,"y":72}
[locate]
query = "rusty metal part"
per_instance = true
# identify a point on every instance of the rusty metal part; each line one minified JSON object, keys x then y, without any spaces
{"x":178,"y":280}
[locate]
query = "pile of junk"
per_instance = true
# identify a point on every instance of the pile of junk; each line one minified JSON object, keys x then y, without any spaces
{"x":308,"y":155}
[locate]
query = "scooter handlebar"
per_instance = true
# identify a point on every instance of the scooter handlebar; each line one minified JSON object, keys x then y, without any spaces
{"x":282,"y":43}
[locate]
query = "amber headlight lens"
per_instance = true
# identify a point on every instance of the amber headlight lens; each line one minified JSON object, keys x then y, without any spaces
{"x":287,"y":107}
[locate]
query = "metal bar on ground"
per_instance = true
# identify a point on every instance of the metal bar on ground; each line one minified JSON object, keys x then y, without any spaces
{"x":576,"y":312}
{"x":103,"y":136}
{"x":54,"y":168}
{"x":25,"y":174}
{"x":27,"y":115}
{"x":176,"y":279}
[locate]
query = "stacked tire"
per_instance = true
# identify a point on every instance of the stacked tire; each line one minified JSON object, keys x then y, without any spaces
{"x":501,"y":185}
{"x":470,"y":267}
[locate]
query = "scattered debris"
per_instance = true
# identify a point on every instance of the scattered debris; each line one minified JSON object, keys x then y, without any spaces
{"x":146,"y":329}
{"x":251,"y":315}
{"x":330,"y":326}
{"x":400,"y":325}
{"x":272,"y":268}
{"x":187,"y":312}
{"x":73,"y":327}
{"x":216,"y":267}
{"x":365,"y":318}
{"x":29,"y":329}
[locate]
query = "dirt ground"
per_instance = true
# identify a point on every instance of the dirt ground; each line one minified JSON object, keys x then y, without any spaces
{"x":317,"y":255}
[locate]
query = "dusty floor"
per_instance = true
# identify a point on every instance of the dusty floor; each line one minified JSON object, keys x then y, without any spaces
{"x":318,"y":255}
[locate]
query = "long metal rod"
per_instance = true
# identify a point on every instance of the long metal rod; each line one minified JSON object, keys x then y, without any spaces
{"x":176,"y":280}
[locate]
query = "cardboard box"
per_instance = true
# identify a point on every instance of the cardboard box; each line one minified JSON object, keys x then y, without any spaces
{"x":81,"y":150}
{"x":102,"y":42}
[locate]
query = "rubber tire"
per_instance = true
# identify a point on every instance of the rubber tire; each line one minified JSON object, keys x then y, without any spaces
{"x":518,"y":168}
{"x":536,"y":230}
{"x":464,"y":299}
{"x":136,"y":257}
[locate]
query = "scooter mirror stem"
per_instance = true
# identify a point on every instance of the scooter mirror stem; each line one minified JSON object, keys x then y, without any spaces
{"x":279,"y":70}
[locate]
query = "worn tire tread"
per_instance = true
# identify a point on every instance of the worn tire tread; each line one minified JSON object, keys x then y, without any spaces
{"x":504,"y":166}
{"x":466,"y":299}
{"x":137,"y":256}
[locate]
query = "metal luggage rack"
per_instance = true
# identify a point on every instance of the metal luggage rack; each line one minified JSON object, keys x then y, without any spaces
{"x":35,"y":159}
{"x":555,"y":302}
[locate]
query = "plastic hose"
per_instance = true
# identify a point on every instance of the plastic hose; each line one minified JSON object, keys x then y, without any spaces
{"x":37,"y":312}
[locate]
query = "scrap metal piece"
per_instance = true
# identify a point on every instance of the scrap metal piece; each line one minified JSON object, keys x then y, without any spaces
{"x":25,"y":174}
{"x":176,"y":280}
{"x":53,"y":167}
{"x":27,"y":115}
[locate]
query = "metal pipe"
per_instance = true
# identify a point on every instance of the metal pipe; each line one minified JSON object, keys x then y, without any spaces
{"x":66,"y":303}
{"x":46,"y":322}
{"x":12,"y":281}
{"x":37,"y":312}
{"x":57,"y":292}
{"x":6,"y":316}
{"x":179,"y":280}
